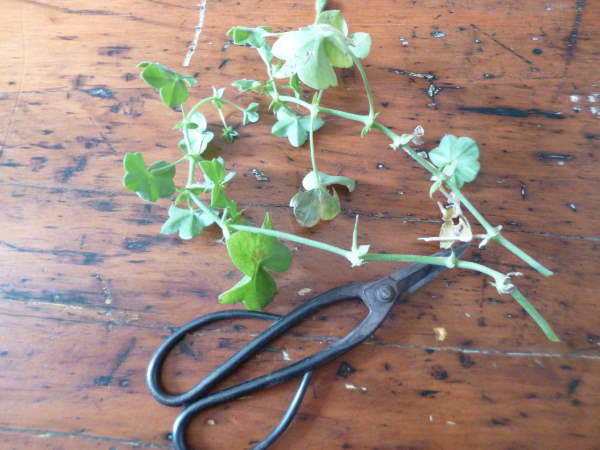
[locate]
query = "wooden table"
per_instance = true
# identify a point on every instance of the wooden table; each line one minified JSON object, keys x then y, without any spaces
{"x":89,"y":287}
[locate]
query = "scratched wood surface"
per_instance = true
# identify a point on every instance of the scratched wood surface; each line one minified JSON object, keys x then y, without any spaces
{"x":89,"y":288}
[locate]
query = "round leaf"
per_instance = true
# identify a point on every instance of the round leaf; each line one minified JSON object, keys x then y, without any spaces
{"x":462,"y":153}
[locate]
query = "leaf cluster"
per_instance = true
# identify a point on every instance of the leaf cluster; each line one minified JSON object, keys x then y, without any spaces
{"x":173,"y":86}
{"x":255,"y":255}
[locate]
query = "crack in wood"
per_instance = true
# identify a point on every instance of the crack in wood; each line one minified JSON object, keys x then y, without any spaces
{"x":197,"y":33}
{"x":510,"y":50}
{"x":82,"y":435}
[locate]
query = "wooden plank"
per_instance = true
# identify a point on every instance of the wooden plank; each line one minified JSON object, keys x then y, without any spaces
{"x":445,"y":392}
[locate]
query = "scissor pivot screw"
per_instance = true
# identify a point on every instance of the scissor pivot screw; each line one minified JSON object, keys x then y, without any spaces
{"x":386,"y":293}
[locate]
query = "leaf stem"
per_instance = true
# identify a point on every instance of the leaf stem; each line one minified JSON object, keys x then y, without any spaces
{"x":168,"y":166}
{"x":230,"y":103}
{"x":292,"y":237}
{"x":311,"y":138}
{"x":222,"y":116}
{"x":368,"y":91}
{"x":535,"y":315}
{"x":199,"y":105}
{"x":499,"y":238}
{"x":210,"y":212}
{"x":333,"y":112}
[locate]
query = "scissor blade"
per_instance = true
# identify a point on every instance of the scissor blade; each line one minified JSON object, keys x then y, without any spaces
{"x":416,"y":275}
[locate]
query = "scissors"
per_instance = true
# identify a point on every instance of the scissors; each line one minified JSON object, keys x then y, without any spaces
{"x":379,"y":296}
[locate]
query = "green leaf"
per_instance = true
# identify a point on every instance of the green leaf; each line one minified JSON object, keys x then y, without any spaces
{"x":255,"y":292}
{"x":312,"y":52}
{"x":155,"y":74}
{"x":320,"y":5}
{"x":247,"y":85}
{"x":458,"y":158}
{"x":174,"y":94}
{"x":254,"y":37}
{"x":251,"y":114}
{"x":334,"y":18}
{"x":197,"y":134}
{"x":229,"y":134}
{"x":214,"y":170}
{"x":293,"y":126}
{"x":149,"y":183}
{"x":189,"y":223}
{"x":173,"y":86}
{"x":312,"y":206}
{"x":360,"y":45}
{"x":310,"y":181}
{"x":253,"y":254}
{"x":250,"y":251}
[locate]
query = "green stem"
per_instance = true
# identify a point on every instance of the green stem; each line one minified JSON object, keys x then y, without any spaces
{"x":222,"y":116}
{"x":210,"y":212}
{"x":499,"y":238}
{"x":191,"y":172}
{"x":199,"y":105}
{"x":168,"y":166}
{"x":365,"y":81}
{"x":267,"y":62}
{"x":292,"y":237}
{"x":333,"y":112}
{"x":311,"y":138}
{"x":535,"y":315}
{"x":524,"y":256}
{"x":235,"y":105}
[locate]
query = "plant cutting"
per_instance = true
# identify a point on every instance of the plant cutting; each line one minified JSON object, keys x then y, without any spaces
{"x":300,"y":67}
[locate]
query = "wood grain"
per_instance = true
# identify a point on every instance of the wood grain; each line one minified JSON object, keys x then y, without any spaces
{"x":89,"y":288}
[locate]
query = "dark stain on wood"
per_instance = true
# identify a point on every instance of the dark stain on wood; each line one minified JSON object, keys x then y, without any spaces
{"x":428,"y":393}
{"x":573,"y":385}
{"x":507,"y":111}
{"x":38,"y":163}
{"x":439,"y":373}
{"x":499,"y":422}
{"x":64,"y":175}
{"x":553,"y":156}
{"x":113,"y":50}
{"x":344,"y":370}
{"x":100,"y":92}
{"x":47,"y":146}
{"x":465,"y":360}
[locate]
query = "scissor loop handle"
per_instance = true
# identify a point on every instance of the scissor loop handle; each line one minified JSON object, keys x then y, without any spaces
{"x":156,"y":363}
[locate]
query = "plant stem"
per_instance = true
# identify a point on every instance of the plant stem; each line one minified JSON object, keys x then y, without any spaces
{"x":210,"y":212}
{"x":230,"y":103}
{"x":524,"y":256}
{"x":199,"y":105}
{"x":222,"y":116}
{"x":168,"y":166}
{"x":311,"y":139}
{"x":499,"y":238}
{"x":188,"y":145}
{"x":292,"y":237}
{"x":365,"y":80}
{"x":267,"y":62}
{"x":535,"y":315}
{"x":333,"y":112}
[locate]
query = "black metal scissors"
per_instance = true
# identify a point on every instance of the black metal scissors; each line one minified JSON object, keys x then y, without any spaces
{"x":379,"y":296}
